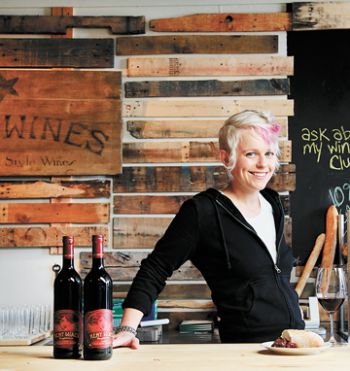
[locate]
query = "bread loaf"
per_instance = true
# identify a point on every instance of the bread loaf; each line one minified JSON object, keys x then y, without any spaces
{"x":303,"y":338}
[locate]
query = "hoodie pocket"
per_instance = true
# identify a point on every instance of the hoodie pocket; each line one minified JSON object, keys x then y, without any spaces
{"x":268,"y":306}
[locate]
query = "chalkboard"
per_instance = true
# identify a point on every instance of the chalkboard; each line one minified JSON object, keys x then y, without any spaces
{"x":320,"y":131}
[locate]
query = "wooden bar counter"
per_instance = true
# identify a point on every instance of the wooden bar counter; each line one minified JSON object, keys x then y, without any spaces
{"x":177,"y":357}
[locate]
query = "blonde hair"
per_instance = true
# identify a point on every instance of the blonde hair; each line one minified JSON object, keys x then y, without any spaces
{"x":261,"y":122}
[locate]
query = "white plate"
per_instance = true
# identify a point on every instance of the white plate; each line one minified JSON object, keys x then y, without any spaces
{"x":296,"y":351}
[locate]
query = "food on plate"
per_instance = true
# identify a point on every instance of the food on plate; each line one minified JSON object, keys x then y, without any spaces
{"x":298,"y":339}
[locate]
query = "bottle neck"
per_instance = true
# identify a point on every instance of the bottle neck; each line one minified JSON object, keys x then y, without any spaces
{"x":68,"y":256}
{"x":97,"y":253}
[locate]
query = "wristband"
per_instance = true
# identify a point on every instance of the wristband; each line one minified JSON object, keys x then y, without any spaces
{"x":127,"y":329}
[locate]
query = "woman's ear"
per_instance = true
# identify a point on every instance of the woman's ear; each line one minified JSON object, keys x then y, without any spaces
{"x":224,"y":158}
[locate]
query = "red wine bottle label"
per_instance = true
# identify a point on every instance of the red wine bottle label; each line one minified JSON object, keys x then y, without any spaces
{"x":99,"y":328}
{"x":67,"y":328}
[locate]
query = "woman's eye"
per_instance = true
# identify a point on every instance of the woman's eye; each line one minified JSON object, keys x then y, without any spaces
{"x":250,"y":154}
{"x":270,"y":154}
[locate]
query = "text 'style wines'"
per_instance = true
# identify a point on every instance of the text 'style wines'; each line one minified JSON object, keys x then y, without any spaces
{"x":68,"y":323}
{"x":98,"y":315}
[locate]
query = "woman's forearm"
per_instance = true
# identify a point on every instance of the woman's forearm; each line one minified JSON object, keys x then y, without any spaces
{"x":131,"y":317}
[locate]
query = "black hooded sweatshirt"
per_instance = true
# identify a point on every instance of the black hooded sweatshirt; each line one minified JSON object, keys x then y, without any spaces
{"x":253,"y":295}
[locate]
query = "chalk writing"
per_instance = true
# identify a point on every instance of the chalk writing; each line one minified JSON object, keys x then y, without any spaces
{"x":340,"y":196}
{"x":332,"y":145}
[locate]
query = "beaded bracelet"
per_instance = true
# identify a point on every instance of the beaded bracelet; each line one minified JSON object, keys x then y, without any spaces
{"x":127,"y":329}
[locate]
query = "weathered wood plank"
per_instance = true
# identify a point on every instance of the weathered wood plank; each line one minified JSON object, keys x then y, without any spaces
{"x":251,"y":65}
{"x":144,"y":232}
{"x":157,"y":129}
{"x":186,"y":304}
{"x":57,"y":25}
{"x":63,"y":12}
{"x":124,"y":266}
{"x":129,"y":204}
{"x":172,"y":290}
{"x":224,"y":22}
{"x":138,"y":232}
{"x":204,"y":88}
{"x":148,"y":204}
{"x":191,"y":151}
{"x":320,"y":16}
{"x":225,"y":107}
{"x":30,"y":213}
{"x":194,"y":44}
{"x":48,"y":84}
{"x":60,"y":52}
{"x":47,"y":236}
{"x":50,"y":135}
{"x":63,"y":189}
{"x":189,"y":178}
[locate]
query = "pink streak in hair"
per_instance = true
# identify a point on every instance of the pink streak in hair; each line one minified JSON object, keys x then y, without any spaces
{"x":269,"y":135}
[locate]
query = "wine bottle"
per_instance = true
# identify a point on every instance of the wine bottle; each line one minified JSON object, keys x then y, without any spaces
{"x":98,"y":305}
{"x":68,"y":323}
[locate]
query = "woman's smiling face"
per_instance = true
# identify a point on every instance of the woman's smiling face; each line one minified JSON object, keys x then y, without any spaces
{"x":255,"y":163}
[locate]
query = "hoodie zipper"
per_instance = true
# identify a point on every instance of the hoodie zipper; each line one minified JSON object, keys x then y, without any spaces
{"x":275,"y":265}
{"x":278,"y":270}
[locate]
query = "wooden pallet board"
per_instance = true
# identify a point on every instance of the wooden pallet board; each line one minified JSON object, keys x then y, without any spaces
{"x":62,"y":189}
{"x":223,"y":107}
{"x":138,"y":232}
{"x":51,"y":127}
{"x":189,"y":179}
{"x":58,"y":25}
{"x":180,"y":128}
{"x":205,"y":88}
{"x":185,"y":151}
{"x":224,"y":22}
{"x":123,"y":266}
{"x":245,"y":65}
{"x":144,"y":232}
{"x":160,"y":204}
{"x":172,"y":290}
{"x":47,"y":236}
{"x":320,"y":16}
{"x":196,"y":44}
{"x":57,"y":52}
{"x":34,"y":213}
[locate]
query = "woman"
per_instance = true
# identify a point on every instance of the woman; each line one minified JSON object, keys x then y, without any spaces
{"x":235,"y":238}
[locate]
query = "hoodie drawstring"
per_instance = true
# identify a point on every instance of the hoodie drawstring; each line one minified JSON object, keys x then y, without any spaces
{"x":222,"y":235}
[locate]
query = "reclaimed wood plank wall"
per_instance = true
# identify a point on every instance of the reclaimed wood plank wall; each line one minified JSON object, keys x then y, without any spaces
{"x":175,"y":101}
{"x":176,"y":90}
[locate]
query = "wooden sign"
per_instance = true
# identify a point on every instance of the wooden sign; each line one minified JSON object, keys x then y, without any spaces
{"x":224,"y":22}
{"x":190,"y":151}
{"x":60,"y":123}
{"x":180,"y":128}
{"x":57,"y":52}
{"x":57,"y":25}
{"x":204,"y":88}
{"x":223,"y":107}
{"x":321,"y":16}
{"x":33,"y":213}
{"x":47,"y":236}
{"x":62,"y":189}
{"x":251,"y":65}
{"x":124,"y":266}
{"x":201,"y":44}
{"x":144,"y":179}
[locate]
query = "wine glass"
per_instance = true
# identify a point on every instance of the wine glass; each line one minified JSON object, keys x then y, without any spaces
{"x":331,"y":293}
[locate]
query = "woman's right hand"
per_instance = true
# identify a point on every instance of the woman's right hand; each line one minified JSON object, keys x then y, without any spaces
{"x":125,"y":339}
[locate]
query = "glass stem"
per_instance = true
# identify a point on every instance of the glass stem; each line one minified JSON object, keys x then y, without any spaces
{"x":331,"y":330}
